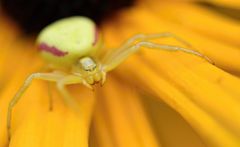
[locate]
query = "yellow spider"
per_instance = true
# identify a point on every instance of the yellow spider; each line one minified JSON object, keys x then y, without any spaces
{"x":71,"y":48}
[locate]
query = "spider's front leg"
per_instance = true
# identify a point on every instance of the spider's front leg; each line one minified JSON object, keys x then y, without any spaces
{"x":23,"y":88}
{"x":144,"y":37}
{"x":68,"y":99}
{"x":113,"y":60}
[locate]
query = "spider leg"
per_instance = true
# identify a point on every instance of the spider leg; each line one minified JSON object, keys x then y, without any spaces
{"x":61,"y":85}
{"x":23,"y":88}
{"x":144,"y":37}
{"x":50,"y":96}
{"x":115,"y":60}
{"x":103,"y":77}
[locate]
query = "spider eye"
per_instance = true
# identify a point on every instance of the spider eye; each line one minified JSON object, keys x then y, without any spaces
{"x":87,"y":64}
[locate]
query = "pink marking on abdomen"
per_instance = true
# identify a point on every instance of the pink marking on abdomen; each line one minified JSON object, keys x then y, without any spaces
{"x":53,"y":50}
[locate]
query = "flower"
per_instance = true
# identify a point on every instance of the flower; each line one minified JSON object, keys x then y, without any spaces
{"x":155,"y":98}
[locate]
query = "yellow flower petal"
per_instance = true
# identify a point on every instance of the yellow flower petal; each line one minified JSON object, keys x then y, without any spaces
{"x":125,"y":116}
{"x":132,"y":21}
{"x":226,"y":131}
{"x":204,"y":95}
{"x":213,"y":133}
{"x":225,"y":3}
{"x":201,"y":20}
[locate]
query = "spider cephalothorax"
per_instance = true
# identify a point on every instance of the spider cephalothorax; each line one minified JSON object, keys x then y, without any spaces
{"x":91,"y":72}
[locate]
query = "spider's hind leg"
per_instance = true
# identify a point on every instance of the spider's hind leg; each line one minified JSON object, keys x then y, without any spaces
{"x":50,"y":96}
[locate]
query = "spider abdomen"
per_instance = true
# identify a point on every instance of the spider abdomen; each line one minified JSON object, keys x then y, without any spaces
{"x":63,"y":42}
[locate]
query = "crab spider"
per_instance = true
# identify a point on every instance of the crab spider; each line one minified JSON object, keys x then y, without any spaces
{"x":71,"y":46}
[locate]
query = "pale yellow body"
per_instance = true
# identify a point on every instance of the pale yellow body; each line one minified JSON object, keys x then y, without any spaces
{"x":74,"y":37}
